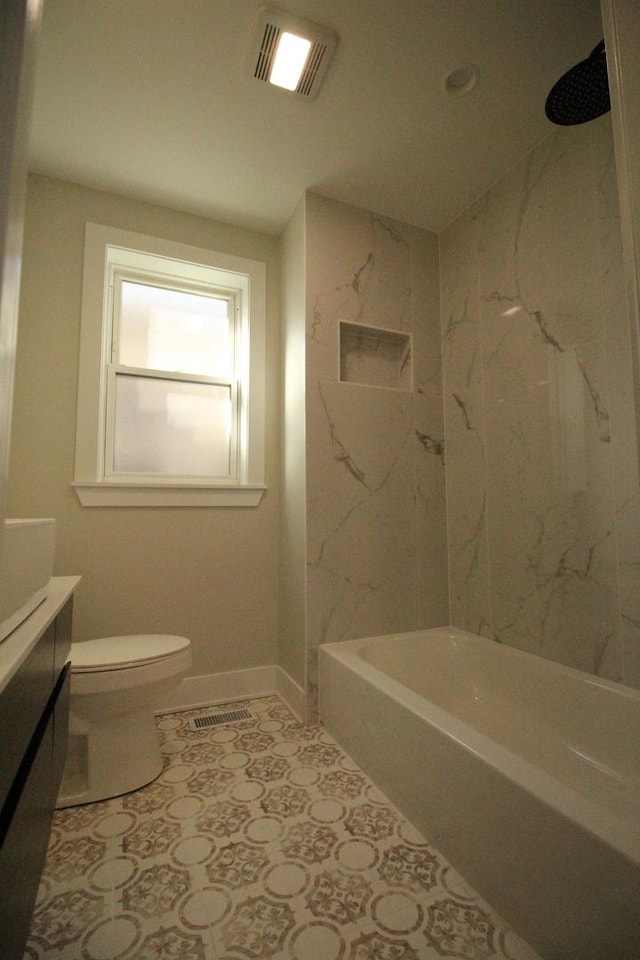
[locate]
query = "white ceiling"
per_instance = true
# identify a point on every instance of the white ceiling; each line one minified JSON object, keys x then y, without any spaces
{"x":153,"y":99}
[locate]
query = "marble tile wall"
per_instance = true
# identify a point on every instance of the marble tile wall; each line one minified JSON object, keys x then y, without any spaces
{"x":542,"y":476}
{"x":376,"y":533}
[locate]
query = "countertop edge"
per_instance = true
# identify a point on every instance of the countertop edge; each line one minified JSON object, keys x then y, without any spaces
{"x":15,"y":648}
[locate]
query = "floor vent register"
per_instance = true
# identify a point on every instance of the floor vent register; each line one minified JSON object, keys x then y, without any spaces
{"x":220,"y":718}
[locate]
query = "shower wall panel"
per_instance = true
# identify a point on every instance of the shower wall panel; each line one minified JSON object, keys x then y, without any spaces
{"x":542,"y":478}
{"x":376,"y":531}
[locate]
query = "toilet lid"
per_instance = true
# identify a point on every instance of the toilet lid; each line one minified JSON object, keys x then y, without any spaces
{"x":112,"y":653}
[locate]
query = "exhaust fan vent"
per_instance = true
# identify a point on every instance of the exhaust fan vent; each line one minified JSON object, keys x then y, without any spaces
{"x":272,"y":23}
{"x":217,"y":719}
{"x":266,"y":52}
{"x":312,"y":69}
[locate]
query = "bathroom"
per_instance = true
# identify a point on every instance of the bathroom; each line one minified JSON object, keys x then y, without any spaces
{"x":234,"y":580}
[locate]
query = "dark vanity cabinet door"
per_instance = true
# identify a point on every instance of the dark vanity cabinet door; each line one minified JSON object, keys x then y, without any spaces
{"x":34,"y":712}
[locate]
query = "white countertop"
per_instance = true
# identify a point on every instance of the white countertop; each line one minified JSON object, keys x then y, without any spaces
{"x":15,"y":649}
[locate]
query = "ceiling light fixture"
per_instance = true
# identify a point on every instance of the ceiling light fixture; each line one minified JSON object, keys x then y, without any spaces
{"x":291,"y":53}
{"x":288,"y":63}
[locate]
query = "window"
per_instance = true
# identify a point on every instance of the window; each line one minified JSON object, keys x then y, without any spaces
{"x":171,"y":383}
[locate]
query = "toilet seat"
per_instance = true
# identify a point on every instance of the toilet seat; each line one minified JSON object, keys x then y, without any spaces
{"x":120,"y":653}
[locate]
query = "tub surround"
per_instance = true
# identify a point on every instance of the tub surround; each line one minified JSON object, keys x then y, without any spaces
{"x":541,"y":462}
{"x":375,"y":509}
{"x":514,"y":512}
{"x":533,"y":794}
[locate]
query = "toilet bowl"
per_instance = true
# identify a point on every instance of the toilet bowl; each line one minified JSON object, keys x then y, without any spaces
{"x":113,"y":744}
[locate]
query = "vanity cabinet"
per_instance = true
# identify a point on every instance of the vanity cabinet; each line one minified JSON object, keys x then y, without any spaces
{"x":34,"y":711}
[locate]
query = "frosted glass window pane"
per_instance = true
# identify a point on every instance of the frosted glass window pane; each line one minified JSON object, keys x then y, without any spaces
{"x":172,"y":428}
{"x":163,"y":329}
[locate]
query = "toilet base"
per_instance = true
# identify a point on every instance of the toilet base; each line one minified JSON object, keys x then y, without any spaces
{"x":109,"y":757}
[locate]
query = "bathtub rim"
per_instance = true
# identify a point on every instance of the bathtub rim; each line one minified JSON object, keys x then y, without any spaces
{"x":609,"y":827}
{"x":540,"y":662}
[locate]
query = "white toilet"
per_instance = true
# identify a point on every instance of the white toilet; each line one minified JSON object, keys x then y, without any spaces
{"x":113,"y":745}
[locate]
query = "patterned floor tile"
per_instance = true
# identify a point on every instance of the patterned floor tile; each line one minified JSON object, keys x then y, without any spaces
{"x":260,"y":840}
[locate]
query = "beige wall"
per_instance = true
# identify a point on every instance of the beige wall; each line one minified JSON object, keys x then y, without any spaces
{"x":208,"y":573}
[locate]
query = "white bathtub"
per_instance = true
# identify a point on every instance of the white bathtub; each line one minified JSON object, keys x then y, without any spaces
{"x":523,"y":773}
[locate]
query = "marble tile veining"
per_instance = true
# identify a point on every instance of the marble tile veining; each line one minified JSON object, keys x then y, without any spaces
{"x":260,"y":839}
{"x":375,"y":510}
{"x":541,"y":465}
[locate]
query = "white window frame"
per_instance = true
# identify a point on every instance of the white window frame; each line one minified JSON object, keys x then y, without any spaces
{"x":109,"y":248}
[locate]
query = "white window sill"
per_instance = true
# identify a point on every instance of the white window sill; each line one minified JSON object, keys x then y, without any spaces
{"x":165,"y":495}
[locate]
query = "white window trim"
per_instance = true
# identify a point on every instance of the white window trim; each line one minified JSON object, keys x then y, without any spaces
{"x":90,"y":483}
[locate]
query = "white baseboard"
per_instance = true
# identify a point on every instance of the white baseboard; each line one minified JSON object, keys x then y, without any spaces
{"x":193,"y":692}
{"x":291,"y":692}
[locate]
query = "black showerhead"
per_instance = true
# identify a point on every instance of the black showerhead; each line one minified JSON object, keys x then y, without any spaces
{"x":582,"y":94}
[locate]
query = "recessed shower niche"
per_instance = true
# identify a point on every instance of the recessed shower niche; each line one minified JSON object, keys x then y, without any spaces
{"x":374,"y":356}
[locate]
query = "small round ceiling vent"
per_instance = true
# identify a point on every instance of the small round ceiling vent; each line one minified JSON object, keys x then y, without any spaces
{"x":462,"y":80}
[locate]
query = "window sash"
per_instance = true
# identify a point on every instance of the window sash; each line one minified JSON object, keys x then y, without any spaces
{"x":119,"y":370}
{"x":118,"y":276}
{"x":114,"y":369}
